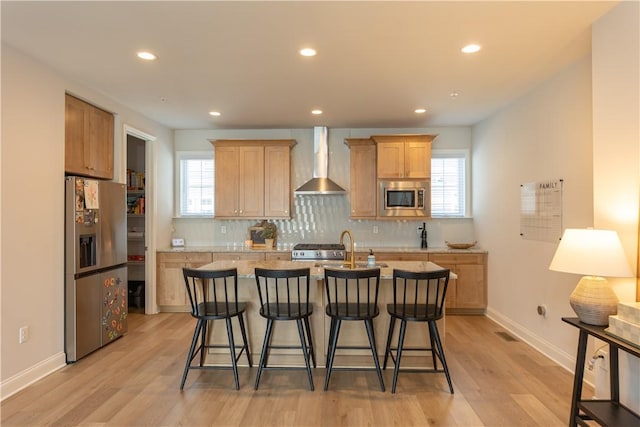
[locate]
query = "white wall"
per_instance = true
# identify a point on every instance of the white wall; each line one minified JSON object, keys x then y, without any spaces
{"x":580,"y":125}
{"x":32,"y":198}
{"x":322,"y":218}
{"x":544,"y":135}
{"x":616,"y":151}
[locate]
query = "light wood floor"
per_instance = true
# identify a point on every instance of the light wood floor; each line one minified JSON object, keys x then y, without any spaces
{"x":135,"y":381}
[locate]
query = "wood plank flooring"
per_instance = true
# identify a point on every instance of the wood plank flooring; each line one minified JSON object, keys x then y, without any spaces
{"x":135,"y":382}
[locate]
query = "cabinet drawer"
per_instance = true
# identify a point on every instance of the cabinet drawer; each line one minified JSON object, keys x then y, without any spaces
{"x":185,"y":257}
{"x":456,"y":258}
{"x":277,"y":256}
{"x":401,"y":256}
{"x":238,"y":256}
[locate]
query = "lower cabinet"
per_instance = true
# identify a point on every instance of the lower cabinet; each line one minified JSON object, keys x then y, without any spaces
{"x":171,"y":294}
{"x":468,"y":293}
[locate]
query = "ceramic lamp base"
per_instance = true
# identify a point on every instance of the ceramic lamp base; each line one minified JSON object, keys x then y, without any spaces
{"x":594,"y":301}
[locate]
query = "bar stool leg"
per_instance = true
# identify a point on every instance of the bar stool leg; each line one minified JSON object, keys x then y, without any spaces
{"x":434,"y":331}
{"x":372,"y":341}
{"x":244,"y":338}
{"x":232,"y":350}
{"x":303,"y":343}
{"x":333,"y":341}
{"x":194,"y":341}
{"x":311,"y":346}
{"x":396,"y":371}
{"x":265,"y":346}
{"x":387,"y":351}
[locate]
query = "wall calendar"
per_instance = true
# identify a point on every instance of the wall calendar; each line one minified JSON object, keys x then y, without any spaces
{"x":541,"y":210}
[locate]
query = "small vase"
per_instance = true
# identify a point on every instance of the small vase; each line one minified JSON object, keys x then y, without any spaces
{"x":268,"y":243}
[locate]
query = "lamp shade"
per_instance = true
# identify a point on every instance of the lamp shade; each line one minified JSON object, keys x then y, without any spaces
{"x":591,"y":253}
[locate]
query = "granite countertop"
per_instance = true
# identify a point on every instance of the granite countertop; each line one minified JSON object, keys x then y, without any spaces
{"x":246,"y":269}
{"x":289,"y":248}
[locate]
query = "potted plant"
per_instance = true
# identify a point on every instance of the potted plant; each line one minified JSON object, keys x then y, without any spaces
{"x":270,"y":233}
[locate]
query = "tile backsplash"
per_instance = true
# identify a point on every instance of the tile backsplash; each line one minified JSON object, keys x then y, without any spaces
{"x":321,"y":219}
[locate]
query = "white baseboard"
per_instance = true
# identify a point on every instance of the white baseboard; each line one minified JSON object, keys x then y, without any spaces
{"x":29,"y":376}
{"x":554,"y":353}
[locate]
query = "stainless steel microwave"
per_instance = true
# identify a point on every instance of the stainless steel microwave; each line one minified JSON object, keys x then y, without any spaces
{"x":404,"y":198}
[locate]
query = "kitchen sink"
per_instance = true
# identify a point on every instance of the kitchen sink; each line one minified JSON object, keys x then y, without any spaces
{"x":342,"y":265}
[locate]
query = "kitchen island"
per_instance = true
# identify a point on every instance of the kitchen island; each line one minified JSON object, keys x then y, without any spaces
{"x":286,"y":333}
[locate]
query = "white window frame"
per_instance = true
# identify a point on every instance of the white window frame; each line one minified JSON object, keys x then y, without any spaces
{"x":181,"y":156}
{"x":456,"y":153}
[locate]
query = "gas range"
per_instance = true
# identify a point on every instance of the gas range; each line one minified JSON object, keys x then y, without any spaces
{"x":317,"y":252}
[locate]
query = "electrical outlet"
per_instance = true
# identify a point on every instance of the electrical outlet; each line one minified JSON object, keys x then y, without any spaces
{"x":24,"y":335}
{"x":223,"y":229}
{"x":375,"y":229}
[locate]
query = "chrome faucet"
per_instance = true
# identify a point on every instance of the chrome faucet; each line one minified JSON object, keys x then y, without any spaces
{"x":352,"y":257}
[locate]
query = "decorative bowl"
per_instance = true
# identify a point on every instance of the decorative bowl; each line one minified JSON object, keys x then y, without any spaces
{"x":461,"y":245}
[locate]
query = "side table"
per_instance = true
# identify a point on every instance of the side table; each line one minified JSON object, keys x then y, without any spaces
{"x":604,"y":412}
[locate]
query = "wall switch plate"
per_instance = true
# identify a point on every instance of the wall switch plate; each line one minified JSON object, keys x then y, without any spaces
{"x":177,"y":242}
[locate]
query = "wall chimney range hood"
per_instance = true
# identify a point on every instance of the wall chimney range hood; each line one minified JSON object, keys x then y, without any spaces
{"x":320,"y":183}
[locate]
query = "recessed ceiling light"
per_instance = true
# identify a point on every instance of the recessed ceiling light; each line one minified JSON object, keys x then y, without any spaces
{"x":148,"y":56}
{"x":214,"y":113}
{"x":471,"y":48}
{"x":307,"y":51}
{"x":316,"y":112}
{"x":420,"y":110}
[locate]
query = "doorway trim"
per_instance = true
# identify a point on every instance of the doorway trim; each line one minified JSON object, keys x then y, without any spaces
{"x":150,"y":153}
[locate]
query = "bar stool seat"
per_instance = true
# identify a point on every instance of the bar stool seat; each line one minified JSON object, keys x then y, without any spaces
{"x":213,"y":296}
{"x":417,"y":297}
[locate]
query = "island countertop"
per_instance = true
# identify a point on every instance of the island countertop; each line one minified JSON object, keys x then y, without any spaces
{"x":246,"y":269}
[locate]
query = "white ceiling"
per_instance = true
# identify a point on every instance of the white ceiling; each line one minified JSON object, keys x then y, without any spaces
{"x":376,"y":62}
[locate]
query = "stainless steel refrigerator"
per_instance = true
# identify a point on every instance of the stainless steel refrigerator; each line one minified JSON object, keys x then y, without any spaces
{"x":95,"y":264}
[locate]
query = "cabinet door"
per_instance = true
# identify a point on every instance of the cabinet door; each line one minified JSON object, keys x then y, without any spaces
{"x":417,"y":160}
{"x":391,"y":160}
{"x":100,"y":143}
{"x":75,"y":136}
{"x":363,"y":191}
{"x":227,"y":173}
{"x":470,"y":291}
{"x":277,"y":192}
{"x":170,"y":286}
{"x":251,"y":191}
{"x":452,"y":288}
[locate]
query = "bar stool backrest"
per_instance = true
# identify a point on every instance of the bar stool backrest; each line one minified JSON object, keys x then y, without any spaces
{"x":212,"y":293}
{"x":352,"y":292}
{"x":420,"y":295}
{"x":283,"y":293}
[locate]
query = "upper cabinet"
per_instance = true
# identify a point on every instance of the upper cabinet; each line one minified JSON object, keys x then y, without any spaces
{"x":252,"y":178}
{"x":88,"y":139}
{"x":362,"y":178}
{"x":403,"y":156}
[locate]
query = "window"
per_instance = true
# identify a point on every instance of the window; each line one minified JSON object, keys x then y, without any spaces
{"x":449,"y":183}
{"x":195,"y":183}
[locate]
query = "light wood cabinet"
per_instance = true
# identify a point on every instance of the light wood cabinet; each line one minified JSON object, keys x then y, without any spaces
{"x":277,"y":182}
{"x":252,"y":178}
{"x":468,"y":293}
{"x":88,"y":139}
{"x":403,"y":156}
{"x":170,"y":289}
{"x":363,"y":191}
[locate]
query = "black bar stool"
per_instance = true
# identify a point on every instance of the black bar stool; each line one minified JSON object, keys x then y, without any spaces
{"x":417,"y":297}
{"x":213,"y":296}
{"x":351,"y":295}
{"x":284,"y":296}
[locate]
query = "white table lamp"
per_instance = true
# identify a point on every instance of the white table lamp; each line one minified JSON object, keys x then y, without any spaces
{"x":593,"y":253}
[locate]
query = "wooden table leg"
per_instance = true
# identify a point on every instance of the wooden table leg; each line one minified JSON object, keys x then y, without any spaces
{"x":578,"y":377}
